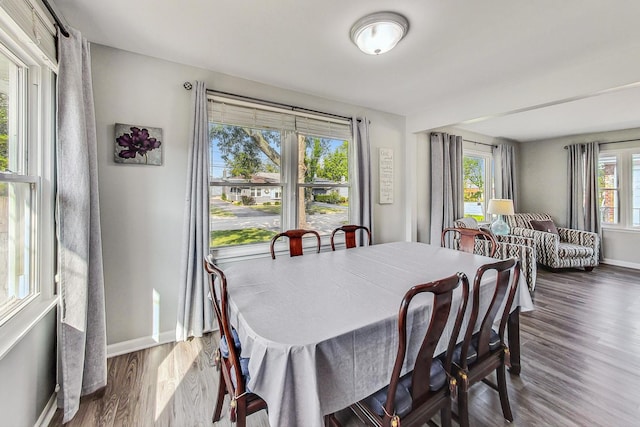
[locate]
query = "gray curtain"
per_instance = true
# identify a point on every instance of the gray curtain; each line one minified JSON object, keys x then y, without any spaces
{"x":509,"y":183}
{"x":194,"y":311}
{"x":575,"y":191}
{"x":583,"y":210}
{"x":591,"y":206}
{"x":82,"y":342}
{"x":446,"y":182}
{"x":363,"y":205}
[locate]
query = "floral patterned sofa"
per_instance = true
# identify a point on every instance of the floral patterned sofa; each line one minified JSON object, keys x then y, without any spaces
{"x":521,"y":248}
{"x":566,"y":249}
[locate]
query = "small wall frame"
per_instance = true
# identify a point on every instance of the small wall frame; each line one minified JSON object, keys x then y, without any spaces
{"x":135,"y":144}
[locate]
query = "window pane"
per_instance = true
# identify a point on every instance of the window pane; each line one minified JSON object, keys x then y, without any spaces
{"x":241,"y":154}
{"x":608,"y":185}
{"x":15,"y":244}
{"x":244,"y":208}
{"x":242,"y":214}
{"x":636,"y":190}
{"x":10,"y":155}
{"x":323,"y":208}
{"x":326,"y":160}
{"x":474,"y":173}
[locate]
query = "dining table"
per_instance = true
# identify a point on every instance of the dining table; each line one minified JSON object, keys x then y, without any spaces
{"x":320,"y":330}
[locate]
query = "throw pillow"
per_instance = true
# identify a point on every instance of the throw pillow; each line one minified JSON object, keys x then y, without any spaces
{"x":546,"y":225}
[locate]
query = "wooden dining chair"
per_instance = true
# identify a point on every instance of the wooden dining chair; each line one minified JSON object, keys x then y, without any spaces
{"x":485,"y":351}
{"x":350,"y":235}
{"x":417,"y":396}
{"x":295,"y":241}
{"x":466,"y":238}
{"x":234,"y":370}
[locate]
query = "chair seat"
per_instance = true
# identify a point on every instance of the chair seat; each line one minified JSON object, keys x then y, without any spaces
{"x":472,"y":354}
{"x":224,"y":347}
{"x":244,"y":368}
{"x":403,"y":400}
{"x":494,"y":342}
{"x":569,"y":250}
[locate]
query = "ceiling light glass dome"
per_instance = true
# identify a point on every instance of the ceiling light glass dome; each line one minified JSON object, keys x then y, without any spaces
{"x":379,"y":32}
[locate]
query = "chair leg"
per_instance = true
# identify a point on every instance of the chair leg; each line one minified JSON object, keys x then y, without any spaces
{"x":241,"y":416}
{"x":222,"y":391}
{"x":445,"y":416}
{"x":502,"y":390}
{"x":463,"y":402}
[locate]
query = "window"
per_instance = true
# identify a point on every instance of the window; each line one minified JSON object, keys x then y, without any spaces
{"x":272,"y":170}
{"x":18,"y":191}
{"x":23,"y":228}
{"x":477,"y":184}
{"x":619,"y":188}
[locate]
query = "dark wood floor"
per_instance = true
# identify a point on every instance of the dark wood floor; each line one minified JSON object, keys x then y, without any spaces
{"x":580,"y":356}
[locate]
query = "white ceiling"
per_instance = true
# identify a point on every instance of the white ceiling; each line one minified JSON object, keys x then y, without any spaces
{"x":461,"y":60}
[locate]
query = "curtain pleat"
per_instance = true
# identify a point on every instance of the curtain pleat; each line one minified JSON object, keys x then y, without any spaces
{"x":364,"y":211}
{"x":82,"y":341}
{"x":446,"y":182}
{"x":509,"y":185}
{"x":194,"y":311}
{"x":575,"y":192}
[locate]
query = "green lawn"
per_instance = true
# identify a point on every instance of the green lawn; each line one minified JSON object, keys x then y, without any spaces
{"x":240,"y":237}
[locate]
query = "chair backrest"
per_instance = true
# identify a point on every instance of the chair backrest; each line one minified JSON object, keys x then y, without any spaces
{"x":442,"y":291}
{"x":219,"y":301}
{"x":506,"y":284}
{"x":295,"y":241}
{"x":467,"y":239}
{"x":523,"y":220}
{"x":350,"y":235}
{"x":466,"y":222}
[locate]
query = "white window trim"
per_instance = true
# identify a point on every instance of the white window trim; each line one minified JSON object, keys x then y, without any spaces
{"x":40,"y":136}
{"x":625,"y":190}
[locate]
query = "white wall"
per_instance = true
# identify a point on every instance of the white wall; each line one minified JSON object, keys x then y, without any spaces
{"x":142,"y":206}
{"x":28,"y":375}
{"x":543,"y":188}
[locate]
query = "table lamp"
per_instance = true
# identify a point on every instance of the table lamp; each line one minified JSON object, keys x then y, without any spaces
{"x":500,"y":207}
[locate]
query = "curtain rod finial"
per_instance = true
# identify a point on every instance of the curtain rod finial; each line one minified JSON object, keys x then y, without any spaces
{"x":187,"y":85}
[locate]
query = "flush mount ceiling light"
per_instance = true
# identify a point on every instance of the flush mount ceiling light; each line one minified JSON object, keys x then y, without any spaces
{"x":379,"y":32}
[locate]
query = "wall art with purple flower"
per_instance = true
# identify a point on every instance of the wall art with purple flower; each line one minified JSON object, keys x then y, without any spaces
{"x":138,"y":144}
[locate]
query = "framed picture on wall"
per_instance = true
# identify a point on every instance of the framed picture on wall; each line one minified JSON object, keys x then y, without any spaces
{"x":138,"y":144}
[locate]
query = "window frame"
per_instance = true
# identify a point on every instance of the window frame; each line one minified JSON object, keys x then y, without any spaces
{"x":289,"y":185}
{"x":38,"y":125}
{"x":624,"y":165}
{"x":489,"y":180}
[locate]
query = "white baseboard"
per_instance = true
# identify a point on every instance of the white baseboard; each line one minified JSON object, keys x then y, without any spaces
{"x":48,"y":412}
{"x":139,"y":344}
{"x":618,"y":263}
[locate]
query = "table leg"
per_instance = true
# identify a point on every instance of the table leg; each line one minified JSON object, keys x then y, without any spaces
{"x":514,"y":340}
{"x":331,"y":421}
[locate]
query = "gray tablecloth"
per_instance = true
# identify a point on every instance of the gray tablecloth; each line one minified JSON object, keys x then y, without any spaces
{"x":321,"y":329}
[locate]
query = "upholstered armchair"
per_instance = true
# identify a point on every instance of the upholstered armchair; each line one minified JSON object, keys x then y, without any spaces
{"x":556,"y":247}
{"x":509,"y":246}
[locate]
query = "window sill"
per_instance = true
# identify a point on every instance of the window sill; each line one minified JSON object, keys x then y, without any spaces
{"x":19,"y":325}
{"x":614,"y":229}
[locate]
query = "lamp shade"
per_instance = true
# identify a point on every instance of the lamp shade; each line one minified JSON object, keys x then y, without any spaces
{"x":379,"y":32}
{"x":500,"y":207}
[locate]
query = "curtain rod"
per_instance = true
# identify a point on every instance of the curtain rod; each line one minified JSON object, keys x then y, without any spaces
{"x":481,"y":143}
{"x":612,"y":142}
{"x":189,"y":86}
{"x":56,"y":18}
